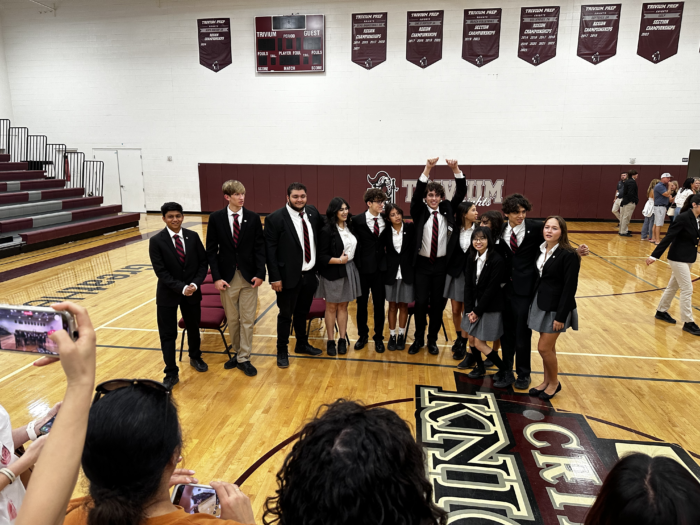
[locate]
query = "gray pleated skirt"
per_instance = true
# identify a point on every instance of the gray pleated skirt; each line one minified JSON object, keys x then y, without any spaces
{"x":341,"y":290}
{"x":399,"y":292}
{"x":489,"y":327}
{"x":454,"y":287}
{"x":542,"y":322}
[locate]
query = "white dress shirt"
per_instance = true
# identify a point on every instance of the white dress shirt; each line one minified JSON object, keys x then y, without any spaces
{"x":370,"y":222}
{"x":349,"y":241}
{"x":296,"y":220}
{"x":182,"y":240}
{"x":519,"y":233}
{"x":480,"y":262}
{"x":428,"y":228}
{"x":465,"y":238}
{"x":230,"y":218}
{"x":544,"y":256}
{"x":397,"y":240}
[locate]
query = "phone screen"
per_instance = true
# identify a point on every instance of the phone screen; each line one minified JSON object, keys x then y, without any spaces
{"x":47,"y":427}
{"x":28,"y":330}
{"x":197,"y":499}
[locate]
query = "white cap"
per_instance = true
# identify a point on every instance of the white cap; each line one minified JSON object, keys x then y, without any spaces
{"x":666,"y":175}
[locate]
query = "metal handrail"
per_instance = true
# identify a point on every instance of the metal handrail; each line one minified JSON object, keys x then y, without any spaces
{"x":5,"y":134}
{"x":18,"y":143}
{"x":94,"y":178}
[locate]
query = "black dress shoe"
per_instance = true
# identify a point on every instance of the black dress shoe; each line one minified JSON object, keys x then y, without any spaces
{"x":231,"y":363}
{"x":459,"y":342}
{"x":691,"y":328}
{"x":282,"y":361}
{"x":546,"y":396}
{"x":664,"y":316}
{"x":199,"y":364}
{"x":628,"y":234}
{"x":415,"y":347}
{"x":342,"y":346}
{"x":433,"y":349}
{"x":460,"y":353}
{"x":479,"y":371}
{"x":379,"y":347}
{"x":505,"y":381}
{"x":523,"y":382}
{"x":535,"y":393}
{"x":361,"y":342}
{"x":307,"y":349}
{"x":247,"y":368}
{"x":330,"y":348}
{"x":401,"y":342}
{"x":488,"y":363}
{"x":170,"y":381}
{"x":391,"y":345}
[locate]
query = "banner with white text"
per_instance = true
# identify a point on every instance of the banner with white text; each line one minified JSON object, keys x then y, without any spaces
{"x":482,"y":36}
{"x":660,"y":31}
{"x":424,"y":37}
{"x":539,"y":27}
{"x":214,"y":43}
{"x":369,"y":39}
{"x":597,"y":35}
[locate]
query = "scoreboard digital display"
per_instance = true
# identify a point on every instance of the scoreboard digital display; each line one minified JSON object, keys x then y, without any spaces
{"x":290,"y":44}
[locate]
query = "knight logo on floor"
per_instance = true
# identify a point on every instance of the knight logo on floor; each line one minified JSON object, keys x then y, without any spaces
{"x":500,"y":457}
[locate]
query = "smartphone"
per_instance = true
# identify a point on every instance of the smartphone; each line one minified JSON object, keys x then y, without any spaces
{"x":27,"y":328}
{"x":47,"y":426}
{"x":197,"y":499}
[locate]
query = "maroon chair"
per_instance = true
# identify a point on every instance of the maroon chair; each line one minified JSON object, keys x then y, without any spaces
{"x":212,"y":318}
{"x":412,"y":309}
{"x":209,"y":289}
{"x":318,"y":311}
{"x":208,"y":279}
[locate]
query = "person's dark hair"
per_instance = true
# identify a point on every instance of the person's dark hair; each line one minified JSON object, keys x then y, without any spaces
{"x":688,"y":183}
{"x":374,"y":194}
{"x":512,"y":203}
{"x":438,"y":188}
{"x":462,"y":210}
{"x":354,"y":465}
{"x":485,"y":232}
{"x":564,"y":239}
{"x":695,"y":199}
{"x":132,"y":435}
{"x":170,"y":206}
{"x":632,"y":172}
{"x":641,"y":490}
{"x":333,"y":208}
{"x":388,"y":208}
{"x":495,"y":219}
{"x":295,"y":186}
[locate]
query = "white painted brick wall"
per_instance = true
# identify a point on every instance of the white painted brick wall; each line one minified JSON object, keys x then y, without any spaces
{"x":126,"y":72}
{"x":5,"y":99}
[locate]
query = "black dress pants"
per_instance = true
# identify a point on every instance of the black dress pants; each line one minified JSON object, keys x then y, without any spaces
{"x":429,"y":287}
{"x":167,"y":329}
{"x":371,"y":282}
{"x":294,"y":305}
{"x":517,"y":337}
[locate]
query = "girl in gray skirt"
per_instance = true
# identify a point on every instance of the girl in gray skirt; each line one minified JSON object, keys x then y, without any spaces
{"x":553,"y":309}
{"x":484,"y":300}
{"x":340,"y":281}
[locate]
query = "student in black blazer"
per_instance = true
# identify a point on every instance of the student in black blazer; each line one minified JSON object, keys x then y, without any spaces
{"x":484,"y":275}
{"x":368,"y":227}
{"x":434,"y":218}
{"x":236,"y":252}
{"x":683,"y":237}
{"x":340,"y":281}
{"x":630,"y":198}
{"x":553,"y":308}
{"x":398,"y":241}
{"x":180,"y":262}
{"x":291,"y":235}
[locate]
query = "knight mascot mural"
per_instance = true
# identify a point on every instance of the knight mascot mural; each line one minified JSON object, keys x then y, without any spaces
{"x":385,"y":182}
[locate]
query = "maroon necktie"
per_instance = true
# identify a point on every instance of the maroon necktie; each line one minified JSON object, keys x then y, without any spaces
{"x":307,"y":243}
{"x":236,"y":230}
{"x":434,"y":241}
{"x":179,"y":249}
{"x":513,"y":242}
{"x":376,"y":228}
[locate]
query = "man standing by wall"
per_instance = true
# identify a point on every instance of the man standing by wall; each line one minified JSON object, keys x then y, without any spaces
{"x":630,"y":198}
{"x":618,"y":197}
{"x":236,"y":253}
{"x":661,"y":195}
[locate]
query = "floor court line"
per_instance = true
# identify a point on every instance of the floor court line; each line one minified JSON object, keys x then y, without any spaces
{"x":8,"y":376}
{"x":125,"y":313}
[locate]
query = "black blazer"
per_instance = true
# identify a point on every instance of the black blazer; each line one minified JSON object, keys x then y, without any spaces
{"x":174,"y":276}
{"x":394,"y":258}
{"x":285,"y":254}
{"x":488,"y":291}
{"x":224,"y":257}
{"x":630,"y":192}
{"x":556,"y":289}
{"x":420,"y":213}
{"x":456,"y":258}
{"x":369,"y":256}
{"x":683,"y":236}
{"x":330,"y":244}
{"x":521,"y":265}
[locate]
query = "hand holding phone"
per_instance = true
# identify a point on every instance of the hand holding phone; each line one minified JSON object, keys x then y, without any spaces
{"x":28,"y":328}
{"x":197,"y":499}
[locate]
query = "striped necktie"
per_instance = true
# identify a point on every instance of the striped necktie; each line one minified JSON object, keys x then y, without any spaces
{"x":513,"y":242}
{"x":307,"y":242}
{"x":179,"y":249}
{"x":434,"y":240}
{"x":236,"y":230}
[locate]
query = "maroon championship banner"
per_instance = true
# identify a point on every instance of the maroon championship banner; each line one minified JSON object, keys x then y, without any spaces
{"x":424,"y":37}
{"x":482,"y":36}
{"x":597,"y":35}
{"x":214,"y":43}
{"x":539,"y":27}
{"x":660,"y":31}
{"x":369,"y":39}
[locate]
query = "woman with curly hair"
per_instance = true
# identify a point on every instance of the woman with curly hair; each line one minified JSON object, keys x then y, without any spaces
{"x":354,"y":465}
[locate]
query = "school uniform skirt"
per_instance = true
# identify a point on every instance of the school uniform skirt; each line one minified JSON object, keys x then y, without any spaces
{"x":542,"y":322}
{"x":399,"y":292}
{"x":341,"y":290}
{"x":454,"y":288}
{"x":489,"y":327}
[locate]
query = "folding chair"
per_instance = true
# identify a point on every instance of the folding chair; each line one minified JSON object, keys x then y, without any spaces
{"x":412,"y":308}
{"x":318,"y":311}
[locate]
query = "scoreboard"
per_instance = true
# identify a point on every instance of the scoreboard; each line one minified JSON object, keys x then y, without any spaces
{"x":289,"y":44}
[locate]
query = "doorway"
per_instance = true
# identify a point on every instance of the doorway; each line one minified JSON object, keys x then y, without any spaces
{"x":123,"y":182}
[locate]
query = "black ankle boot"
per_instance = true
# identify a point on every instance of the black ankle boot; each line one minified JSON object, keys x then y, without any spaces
{"x":479,"y":371}
{"x":330,"y":348}
{"x":342,"y":346}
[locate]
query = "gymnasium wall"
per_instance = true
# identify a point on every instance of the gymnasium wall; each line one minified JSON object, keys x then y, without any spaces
{"x":107,"y":74}
{"x":5,"y":99}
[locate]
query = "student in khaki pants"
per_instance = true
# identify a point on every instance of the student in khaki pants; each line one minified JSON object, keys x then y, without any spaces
{"x":236,"y":252}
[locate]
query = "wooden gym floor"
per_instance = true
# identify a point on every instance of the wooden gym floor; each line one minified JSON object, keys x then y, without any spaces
{"x":630,"y":375}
